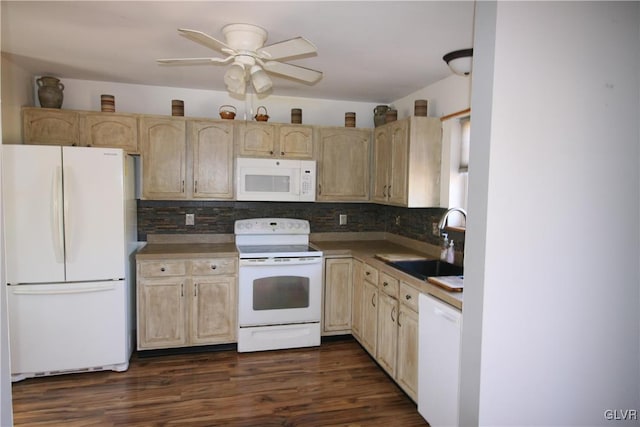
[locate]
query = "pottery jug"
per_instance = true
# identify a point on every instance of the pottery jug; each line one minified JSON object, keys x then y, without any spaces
{"x":379,"y":114}
{"x":50,"y":92}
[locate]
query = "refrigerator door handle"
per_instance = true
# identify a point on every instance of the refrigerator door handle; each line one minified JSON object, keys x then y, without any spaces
{"x":72,"y":289}
{"x":58,"y":224}
{"x":68,"y":228}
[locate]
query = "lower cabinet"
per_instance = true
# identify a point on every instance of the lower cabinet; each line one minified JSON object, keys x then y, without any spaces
{"x":338,"y":276}
{"x":186,"y":302}
{"x":407,"y":363}
{"x":385,"y":322}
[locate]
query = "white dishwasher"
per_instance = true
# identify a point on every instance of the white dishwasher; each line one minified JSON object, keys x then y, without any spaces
{"x":439,"y":361}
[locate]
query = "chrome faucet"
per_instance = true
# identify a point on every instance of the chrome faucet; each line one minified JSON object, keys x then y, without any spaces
{"x":443,"y":220}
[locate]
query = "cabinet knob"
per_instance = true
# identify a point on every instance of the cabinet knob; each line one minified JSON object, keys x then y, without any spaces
{"x":271,"y":152}
{"x":163,"y":269}
{"x":407,"y":297}
{"x":368,"y":273}
{"x":213,"y":266}
{"x":282,"y":153}
{"x":385,"y":284}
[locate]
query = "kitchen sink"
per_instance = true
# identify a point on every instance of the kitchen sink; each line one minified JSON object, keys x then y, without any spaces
{"x":427,"y":268}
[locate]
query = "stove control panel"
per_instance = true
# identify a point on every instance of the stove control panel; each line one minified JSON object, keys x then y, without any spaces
{"x":271,"y":226}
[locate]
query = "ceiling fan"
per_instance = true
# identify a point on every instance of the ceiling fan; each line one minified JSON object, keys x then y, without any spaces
{"x":249,"y":58}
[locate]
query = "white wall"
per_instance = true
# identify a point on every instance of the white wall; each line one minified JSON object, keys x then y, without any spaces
{"x":17,"y":91}
{"x":447,"y":96}
{"x":130,"y":98}
{"x":552,"y":282}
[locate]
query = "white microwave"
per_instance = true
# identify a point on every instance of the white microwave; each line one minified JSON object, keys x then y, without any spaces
{"x":275,"y":180}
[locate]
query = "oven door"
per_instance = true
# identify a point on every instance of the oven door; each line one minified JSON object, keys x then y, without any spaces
{"x":276,"y":291}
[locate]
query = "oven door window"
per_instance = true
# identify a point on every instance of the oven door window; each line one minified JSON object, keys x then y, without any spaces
{"x":280,"y":292}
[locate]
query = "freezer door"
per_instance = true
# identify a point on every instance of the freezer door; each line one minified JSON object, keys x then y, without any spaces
{"x":32,"y":201}
{"x":94,"y":213}
{"x":67,"y":327}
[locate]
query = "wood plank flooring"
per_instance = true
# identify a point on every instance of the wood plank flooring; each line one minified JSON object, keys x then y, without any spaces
{"x":334,"y":384}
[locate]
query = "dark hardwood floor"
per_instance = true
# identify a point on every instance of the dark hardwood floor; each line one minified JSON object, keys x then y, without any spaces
{"x":334,"y":384}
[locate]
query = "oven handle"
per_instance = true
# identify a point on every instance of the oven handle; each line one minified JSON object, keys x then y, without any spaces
{"x":260,"y":262}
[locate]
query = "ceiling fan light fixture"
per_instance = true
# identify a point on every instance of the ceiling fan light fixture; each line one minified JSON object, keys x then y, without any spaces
{"x":235,"y":77}
{"x":261,"y":82}
{"x":460,"y":61}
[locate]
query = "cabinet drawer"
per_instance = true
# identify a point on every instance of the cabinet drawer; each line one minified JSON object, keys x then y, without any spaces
{"x":409,"y":296}
{"x":370,"y":274}
{"x":213,"y":266}
{"x":389,"y":285}
{"x":162,"y":268}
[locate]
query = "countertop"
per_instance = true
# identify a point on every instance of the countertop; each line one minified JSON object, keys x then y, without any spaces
{"x":191,"y":250}
{"x":365,"y":250}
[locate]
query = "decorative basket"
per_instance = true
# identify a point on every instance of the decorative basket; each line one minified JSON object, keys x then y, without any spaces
{"x":261,"y":117}
{"x":227,"y":112}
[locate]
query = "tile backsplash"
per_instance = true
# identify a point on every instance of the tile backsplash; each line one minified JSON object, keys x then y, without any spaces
{"x":217,"y":217}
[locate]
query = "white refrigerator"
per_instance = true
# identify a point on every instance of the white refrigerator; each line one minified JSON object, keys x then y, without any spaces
{"x":69,"y":235}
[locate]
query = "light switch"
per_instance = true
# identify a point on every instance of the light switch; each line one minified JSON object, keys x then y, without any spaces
{"x":343,"y":219}
{"x":190,"y":219}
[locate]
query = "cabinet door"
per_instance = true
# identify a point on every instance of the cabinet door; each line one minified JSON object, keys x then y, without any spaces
{"x":109,"y":130}
{"x":213,"y":310}
{"x":164,"y":151}
{"x":257,"y":139}
{"x":387,"y":333}
{"x":357,"y":299}
{"x":343,"y":164}
{"x":211,"y":145}
{"x":407,"y":366}
{"x":161,"y":313}
{"x":47,"y":126}
{"x":337,"y":295}
{"x":370,"y":317}
{"x":381,"y":159}
{"x":398,"y":167}
{"x":296,"y":141}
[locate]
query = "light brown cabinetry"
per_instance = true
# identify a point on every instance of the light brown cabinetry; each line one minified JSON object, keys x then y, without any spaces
{"x":338,"y":276}
{"x":161,"y":304}
{"x":387,"y":323}
{"x":343,"y":164}
{"x":50,"y":126}
{"x":109,"y":130}
{"x":186,"y":302}
{"x":406,"y":162}
{"x":357,"y":298}
{"x":257,"y":139}
{"x":407,"y":363}
{"x":211,"y":147}
{"x":369,"y":328}
{"x":164,"y":151}
{"x":186,"y":159}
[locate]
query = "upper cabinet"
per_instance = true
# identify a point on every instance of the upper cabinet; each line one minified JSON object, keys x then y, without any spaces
{"x":406,"y":162}
{"x":163,"y":147}
{"x":343,"y":164}
{"x":109,"y":130}
{"x":186,"y":159}
{"x":211,"y":147}
{"x":259,"y":139}
{"x":50,"y":126}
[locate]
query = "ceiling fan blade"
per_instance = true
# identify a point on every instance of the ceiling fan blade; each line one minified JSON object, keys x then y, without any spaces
{"x":287,"y":49}
{"x":294,"y":71}
{"x":204,"y":39}
{"x":195,"y":61}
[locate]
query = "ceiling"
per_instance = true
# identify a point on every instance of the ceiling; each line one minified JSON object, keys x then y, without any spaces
{"x":369,"y":51}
